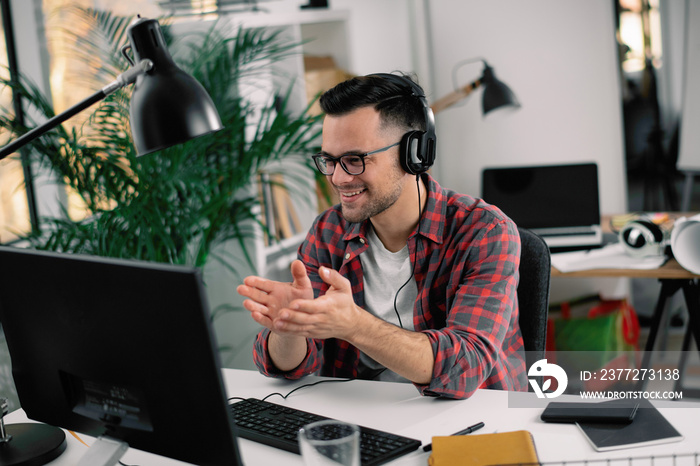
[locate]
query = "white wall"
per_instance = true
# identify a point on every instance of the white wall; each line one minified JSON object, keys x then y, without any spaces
{"x":379,"y":34}
{"x":559,"y":57}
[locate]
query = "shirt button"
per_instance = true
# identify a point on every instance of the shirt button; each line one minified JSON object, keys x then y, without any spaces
{"x":347,"y":256}
{"x":362,"y":240}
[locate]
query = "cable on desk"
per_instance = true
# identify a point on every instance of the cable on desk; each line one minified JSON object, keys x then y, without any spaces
{"x":78,"y":438}
{"x":284,"y":397}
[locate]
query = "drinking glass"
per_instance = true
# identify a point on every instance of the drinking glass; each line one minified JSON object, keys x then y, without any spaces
{"x":330,"y":442}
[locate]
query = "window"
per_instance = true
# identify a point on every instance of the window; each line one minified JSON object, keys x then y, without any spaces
{"x":640,"y":32}
{"x":16,"y":197}
{"x":73,"y":80}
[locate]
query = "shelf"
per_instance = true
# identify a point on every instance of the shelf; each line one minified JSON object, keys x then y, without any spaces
{"x":279,"y":256}
{"x":283,"y":247}
{"x":258,"y":19}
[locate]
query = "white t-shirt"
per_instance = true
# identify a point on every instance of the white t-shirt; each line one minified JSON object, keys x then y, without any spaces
{"x":385,"y":273}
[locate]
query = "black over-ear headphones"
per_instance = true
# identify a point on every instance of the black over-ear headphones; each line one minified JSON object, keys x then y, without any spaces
{"x":417,"y":148}
{"x":642,"y":238}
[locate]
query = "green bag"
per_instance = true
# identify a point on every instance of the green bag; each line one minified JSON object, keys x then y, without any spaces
{"x":606,"y":337}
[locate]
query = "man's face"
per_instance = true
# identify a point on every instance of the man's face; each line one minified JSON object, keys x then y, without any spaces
{"x":378,"y":188}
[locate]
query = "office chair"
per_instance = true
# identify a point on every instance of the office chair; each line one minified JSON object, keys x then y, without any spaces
{"x":533,"y":294}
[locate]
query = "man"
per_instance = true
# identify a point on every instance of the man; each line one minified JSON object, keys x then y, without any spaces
{"x":403,"y":280}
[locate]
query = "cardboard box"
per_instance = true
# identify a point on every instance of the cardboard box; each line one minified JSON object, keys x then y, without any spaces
{"x":320,"y":75}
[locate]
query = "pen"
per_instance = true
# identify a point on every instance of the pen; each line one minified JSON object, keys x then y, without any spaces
{"x":466,"y":431}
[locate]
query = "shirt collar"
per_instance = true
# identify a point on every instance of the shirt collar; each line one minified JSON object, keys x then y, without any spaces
{"x":432,"y":222}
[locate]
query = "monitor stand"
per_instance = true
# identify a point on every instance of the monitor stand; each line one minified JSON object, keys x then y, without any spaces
{"x":104,"y":451}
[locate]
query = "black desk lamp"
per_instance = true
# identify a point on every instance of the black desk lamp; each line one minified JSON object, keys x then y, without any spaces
{"x":496,"y":93}
{"x":168,"y":107}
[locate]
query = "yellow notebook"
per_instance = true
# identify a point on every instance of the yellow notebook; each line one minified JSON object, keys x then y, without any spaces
{"x":517,"y":447}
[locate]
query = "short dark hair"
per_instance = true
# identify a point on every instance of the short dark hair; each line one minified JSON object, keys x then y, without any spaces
{"x":397,"y":104}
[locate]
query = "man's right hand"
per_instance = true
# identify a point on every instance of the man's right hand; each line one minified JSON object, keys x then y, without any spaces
{"x":267,"y":297}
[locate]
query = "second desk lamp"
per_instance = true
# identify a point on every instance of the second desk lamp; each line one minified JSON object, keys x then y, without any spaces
{"x":496,"y":93}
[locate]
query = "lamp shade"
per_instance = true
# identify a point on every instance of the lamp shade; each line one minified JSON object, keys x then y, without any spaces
{"x":496,"y":93}
{"x":168,"y":106}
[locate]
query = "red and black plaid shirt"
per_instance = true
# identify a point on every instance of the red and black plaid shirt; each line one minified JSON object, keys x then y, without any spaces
{"x":466,"y":255}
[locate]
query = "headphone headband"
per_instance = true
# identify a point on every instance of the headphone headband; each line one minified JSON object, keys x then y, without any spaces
{"x":417,"y":148}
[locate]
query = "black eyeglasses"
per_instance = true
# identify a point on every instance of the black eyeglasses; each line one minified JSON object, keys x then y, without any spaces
{"x":353,"y":164}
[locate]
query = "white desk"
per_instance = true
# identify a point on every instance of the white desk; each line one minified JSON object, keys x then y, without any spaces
{"x":399,"y":408}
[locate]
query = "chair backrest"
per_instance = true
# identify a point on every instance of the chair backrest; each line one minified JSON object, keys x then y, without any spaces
{"x":533,"y":293}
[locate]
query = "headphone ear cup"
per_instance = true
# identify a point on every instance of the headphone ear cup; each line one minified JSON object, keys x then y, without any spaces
{"x":410,"y":154}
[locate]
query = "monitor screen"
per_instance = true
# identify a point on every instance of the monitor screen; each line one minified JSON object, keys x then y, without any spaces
{"x":548,"y":196}
{"x":118,"y":348}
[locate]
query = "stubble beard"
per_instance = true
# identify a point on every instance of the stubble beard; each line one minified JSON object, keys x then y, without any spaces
{"x":375,"y":205}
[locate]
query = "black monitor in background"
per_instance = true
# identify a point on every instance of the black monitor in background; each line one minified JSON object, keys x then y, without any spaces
{"x":551,"y":196}
{"x":117,"y":348}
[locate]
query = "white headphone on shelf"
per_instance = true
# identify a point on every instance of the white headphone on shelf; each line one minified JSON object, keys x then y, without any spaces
{"x":643,"y":238}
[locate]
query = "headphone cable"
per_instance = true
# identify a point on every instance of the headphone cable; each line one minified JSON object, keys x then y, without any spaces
{"x":415,"y":253}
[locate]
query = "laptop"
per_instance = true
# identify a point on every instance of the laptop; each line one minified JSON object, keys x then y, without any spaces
{"x":558,"y":202}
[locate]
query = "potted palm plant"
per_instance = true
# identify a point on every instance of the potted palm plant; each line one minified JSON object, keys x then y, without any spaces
{"x":181,"y":204}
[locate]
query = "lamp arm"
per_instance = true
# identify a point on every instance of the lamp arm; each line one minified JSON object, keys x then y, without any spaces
{"x":127,"y":77}
{"x":455,"y":96}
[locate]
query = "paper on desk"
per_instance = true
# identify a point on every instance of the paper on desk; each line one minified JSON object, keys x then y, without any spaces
{"x":612,"y":256}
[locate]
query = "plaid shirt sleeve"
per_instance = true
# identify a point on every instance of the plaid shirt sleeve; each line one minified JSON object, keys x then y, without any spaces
{"x":479,"y":345}
{"x":264,"y":363}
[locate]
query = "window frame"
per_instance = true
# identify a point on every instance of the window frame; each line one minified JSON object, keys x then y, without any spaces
{"x":10,"y":46}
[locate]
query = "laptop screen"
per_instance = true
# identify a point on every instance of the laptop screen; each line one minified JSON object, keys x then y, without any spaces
{"x":545,"y":196}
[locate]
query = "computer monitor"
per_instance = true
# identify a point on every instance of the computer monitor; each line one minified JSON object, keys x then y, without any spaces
{"x":117,"y":348}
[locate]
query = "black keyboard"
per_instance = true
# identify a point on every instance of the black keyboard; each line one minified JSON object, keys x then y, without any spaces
{"x":277,"y":426}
